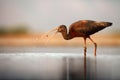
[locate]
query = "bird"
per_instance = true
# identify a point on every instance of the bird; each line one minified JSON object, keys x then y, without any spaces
{"x":83,"y":28}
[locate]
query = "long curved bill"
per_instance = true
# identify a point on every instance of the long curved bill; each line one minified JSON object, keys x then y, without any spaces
{"x":46,"y":34}
{"x":55,"y":29}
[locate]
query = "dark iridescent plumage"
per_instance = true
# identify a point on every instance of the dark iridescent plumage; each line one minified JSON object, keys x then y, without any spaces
{"x":83,"y":28}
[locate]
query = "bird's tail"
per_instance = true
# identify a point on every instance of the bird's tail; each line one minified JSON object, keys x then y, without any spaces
{"x":104,"y":24}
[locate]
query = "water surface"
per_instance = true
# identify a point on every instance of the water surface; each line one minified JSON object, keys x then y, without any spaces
{"x":61,"y":63}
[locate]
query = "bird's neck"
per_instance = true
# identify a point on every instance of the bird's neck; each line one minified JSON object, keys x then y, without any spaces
{"x":66,"y":35}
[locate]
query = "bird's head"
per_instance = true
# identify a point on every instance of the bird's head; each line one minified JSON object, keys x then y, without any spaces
{"x":61,"y":28}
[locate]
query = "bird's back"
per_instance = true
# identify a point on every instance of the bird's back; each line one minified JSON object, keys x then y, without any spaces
{"x":84,"y":28}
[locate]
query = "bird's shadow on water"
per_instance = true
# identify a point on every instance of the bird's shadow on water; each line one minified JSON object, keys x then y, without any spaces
{"x":80,"y":68}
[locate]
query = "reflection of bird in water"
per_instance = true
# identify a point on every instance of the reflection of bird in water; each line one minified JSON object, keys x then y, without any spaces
{"x":83,"y":28}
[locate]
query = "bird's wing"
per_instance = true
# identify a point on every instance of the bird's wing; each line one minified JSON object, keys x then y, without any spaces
{"x":85,"y":27}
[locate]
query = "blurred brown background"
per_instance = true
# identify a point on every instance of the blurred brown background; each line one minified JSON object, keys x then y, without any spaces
{"x":23,"y":22}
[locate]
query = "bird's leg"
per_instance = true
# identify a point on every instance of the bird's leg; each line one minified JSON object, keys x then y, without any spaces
{"x":95,"y":45}
{"x":85,"y":47}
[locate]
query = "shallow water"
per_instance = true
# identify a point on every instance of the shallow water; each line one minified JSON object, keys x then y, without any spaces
{"x":68,"y":63}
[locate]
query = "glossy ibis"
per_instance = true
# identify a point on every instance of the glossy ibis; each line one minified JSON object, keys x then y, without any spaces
{"x":82,"y":28}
